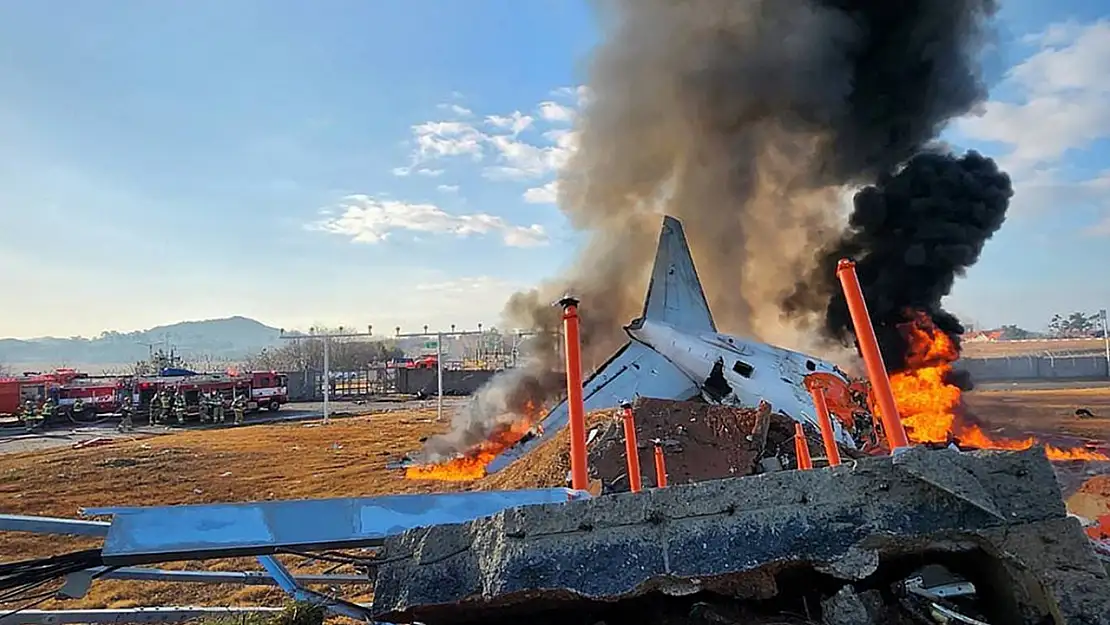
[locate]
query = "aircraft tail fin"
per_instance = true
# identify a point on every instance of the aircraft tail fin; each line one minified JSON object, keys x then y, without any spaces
{"x":674,"y":295}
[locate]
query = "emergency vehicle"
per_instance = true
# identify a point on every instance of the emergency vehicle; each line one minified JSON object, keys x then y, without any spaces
{"x":97,"y":396}
{"x":264,"y":390}
{"x":34,"y":386}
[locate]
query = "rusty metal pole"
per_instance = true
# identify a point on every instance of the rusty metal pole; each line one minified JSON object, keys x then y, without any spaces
{"x":872,"y":357}
{"x":660,"y":465}
{"x":828,"y":436}
{"x":801,"y":448}
{"x":631,"y":449}
{"x":576,"y":409}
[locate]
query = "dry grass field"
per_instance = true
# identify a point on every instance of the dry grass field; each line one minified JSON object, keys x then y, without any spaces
{"x":1002,"y":349}
{"x":298,"y":460}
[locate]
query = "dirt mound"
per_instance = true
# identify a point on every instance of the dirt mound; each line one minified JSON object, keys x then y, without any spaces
{"x":700,"y":442}
{"x":1092,"y":500}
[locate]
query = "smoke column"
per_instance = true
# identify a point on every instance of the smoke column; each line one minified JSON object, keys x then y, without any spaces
{"x":745,"y":119}
{"x":911,"y":234}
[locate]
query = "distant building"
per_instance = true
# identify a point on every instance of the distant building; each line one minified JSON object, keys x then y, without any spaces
{"x":982,"y":336}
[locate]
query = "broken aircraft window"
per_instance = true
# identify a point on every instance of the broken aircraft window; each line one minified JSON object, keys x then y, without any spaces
{"x":743,"y":369}
{"x":811,"y":366}
{"x":715,"y":385}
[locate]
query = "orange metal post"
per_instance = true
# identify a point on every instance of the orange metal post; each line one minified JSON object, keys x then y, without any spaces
{"x":631,"y":450}
{"x":660,"y":466}
{"x":832,"y":452}
{"x":575,"y":407}
{"x":872,"y":357}
{"x":801,"y":448}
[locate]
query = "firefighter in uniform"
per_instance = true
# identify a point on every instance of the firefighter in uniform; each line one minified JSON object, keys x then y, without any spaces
{"x":27,"y":413}
{"x":166,"y":405}
{"x":204,"y":402}
{"x":125,"y":422}
{"x":179,"y":407}
{"x":78,"y":407}
{"x":239,"y":407}
{"x":217,"y":407}
{"x":155,"y":407}
{"x":46,"y":412}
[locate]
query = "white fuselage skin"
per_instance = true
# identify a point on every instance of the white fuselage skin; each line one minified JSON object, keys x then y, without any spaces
{"x":754,"y":371}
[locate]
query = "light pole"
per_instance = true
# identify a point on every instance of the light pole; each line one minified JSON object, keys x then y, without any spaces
{"x":439,"y":355}
{"x":326,"y":337}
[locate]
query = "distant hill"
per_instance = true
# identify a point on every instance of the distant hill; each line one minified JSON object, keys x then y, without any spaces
{"x":231,"y":338}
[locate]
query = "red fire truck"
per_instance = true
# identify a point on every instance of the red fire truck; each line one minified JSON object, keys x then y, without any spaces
{"x":33,"y":386}
{"x":264,"y":389}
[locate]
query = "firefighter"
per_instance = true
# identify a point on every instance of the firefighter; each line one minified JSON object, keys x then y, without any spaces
{"x":239,"y":407}
{"x":27,"y":413}
{"x":155,"y":406}
{"x":125,"y":422}
{"x":217,"y":407}
{"x":78,"y":407}
{"x":166,"y":405}
{"x":207,"y":409}
{"x":46,"y":412}
{"x":179,"y":407}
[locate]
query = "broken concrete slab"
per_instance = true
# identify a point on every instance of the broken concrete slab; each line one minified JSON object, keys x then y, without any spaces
{"x":739,"y":536}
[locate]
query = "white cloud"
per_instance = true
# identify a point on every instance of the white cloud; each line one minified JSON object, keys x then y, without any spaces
{"x":580,"y":95}
{"x":555,"y":112}
{"x":448,"y":188}
{"x":507,"y":144}
{"x":371,"y":220}
{"x":1061,"y":104}
{"x":547,"y":194}
{"x":1063,"y":97}
{"x":516,"y":122}
{"x":436,"y":139}
{"x":458,"y":110}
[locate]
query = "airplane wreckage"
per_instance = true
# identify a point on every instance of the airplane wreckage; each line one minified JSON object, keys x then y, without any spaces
{"x":916,"y":536}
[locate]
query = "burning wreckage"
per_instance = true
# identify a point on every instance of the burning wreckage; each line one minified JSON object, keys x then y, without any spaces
{"x":674,"y":352}
{"x":919,"y":535}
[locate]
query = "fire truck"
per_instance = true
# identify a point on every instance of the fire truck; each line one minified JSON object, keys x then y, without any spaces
{"x":36,"y":387}
{"x":264,"y":390}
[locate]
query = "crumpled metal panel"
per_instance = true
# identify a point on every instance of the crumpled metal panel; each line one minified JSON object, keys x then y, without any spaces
{"x":159,"y":534}
{"x":635,"y":370}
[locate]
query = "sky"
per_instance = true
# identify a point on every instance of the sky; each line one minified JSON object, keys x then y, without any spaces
{"x":392,"y":162}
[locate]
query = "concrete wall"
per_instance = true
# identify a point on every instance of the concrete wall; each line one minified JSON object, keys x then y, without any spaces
{"x":1043,"y":367}
{"x":454,"y":382}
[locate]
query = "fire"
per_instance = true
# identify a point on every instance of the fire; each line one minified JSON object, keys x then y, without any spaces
{"x":472,"y":464}
{"x":930,"y":405}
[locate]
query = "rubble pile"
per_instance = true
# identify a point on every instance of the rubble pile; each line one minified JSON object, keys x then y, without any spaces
{"x":700,"y":442}
{"x":876,"y":540}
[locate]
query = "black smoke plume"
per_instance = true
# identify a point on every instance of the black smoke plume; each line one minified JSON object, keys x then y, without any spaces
{"x":745,"y":119}
{"x":911,"y":234}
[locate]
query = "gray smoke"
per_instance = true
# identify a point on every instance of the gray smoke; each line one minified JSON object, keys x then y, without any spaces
{"x":746,"y":119}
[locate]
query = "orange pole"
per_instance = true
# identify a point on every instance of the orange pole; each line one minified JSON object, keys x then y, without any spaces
{"x":832,"y":452}
{"x":872,"y":357}
{"x":631,"y":450}
{"x":575,"y":406}
{"x":660,"y":466}
{"x":801,"y":448}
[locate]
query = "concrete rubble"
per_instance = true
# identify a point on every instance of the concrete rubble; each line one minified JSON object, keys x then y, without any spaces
{"x":825,"y":544}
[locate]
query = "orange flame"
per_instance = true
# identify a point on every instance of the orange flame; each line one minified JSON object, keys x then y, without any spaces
{"x":472,"y":464}
{"x":930,"y":406}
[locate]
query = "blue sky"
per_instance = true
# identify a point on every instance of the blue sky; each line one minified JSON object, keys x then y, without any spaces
{"x":186,"y":160}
